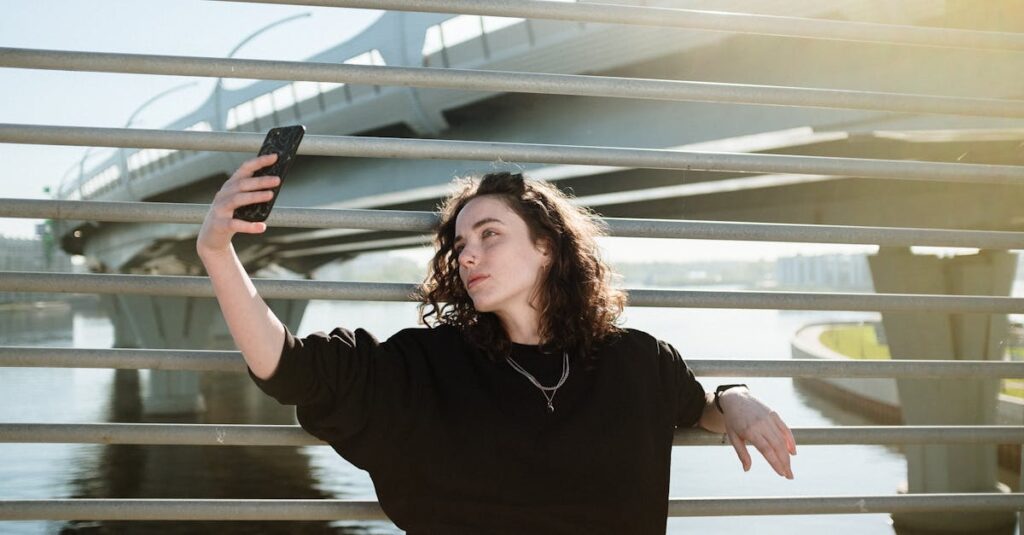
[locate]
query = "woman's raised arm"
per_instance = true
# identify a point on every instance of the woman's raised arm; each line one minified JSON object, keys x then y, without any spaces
{"x":257,"y":331}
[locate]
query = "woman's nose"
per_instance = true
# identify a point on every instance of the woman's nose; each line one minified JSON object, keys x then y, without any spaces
{"x":467,"y":257}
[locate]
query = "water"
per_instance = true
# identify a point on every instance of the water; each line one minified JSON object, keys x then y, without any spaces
{"x":37,"y":471}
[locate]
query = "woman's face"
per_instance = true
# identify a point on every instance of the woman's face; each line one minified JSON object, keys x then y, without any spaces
{"x":500,"y":267}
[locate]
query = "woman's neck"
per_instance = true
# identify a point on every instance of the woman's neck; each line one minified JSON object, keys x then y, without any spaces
{"x":522,"y":328}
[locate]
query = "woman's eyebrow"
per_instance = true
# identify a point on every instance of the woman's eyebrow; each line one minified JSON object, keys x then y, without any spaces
{"x":479,"y":224}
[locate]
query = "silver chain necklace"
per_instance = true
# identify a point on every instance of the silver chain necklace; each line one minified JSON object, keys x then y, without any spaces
{"x":545,"y":389}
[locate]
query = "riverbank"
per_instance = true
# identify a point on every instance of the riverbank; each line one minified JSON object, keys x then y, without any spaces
{"x":878,"y":399}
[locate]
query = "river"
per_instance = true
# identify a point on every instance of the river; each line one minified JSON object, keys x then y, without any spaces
{"x":41,"y":471}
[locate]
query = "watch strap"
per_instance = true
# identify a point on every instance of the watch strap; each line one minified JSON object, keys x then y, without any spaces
{"x":718,"y":394}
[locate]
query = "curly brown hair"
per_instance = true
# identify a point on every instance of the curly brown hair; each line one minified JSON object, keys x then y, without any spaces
{"x":579,"y":307}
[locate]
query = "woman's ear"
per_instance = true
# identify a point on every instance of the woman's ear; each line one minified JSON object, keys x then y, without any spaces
{"x":544,"y":246}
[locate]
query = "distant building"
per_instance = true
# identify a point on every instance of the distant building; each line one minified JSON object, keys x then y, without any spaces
{"x":833,"y":271}
{"x":31,"y":254}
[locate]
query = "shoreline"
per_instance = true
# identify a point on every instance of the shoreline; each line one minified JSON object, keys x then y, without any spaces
{"x":877,"y":399}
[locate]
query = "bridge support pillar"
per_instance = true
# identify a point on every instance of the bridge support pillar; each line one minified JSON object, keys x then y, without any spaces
{"x":156,"y":322}
{"x":935,"y":335}
{"x":126,"y":381}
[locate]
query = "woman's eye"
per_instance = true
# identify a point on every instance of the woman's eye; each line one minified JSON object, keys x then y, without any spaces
{"x":488,"y":232}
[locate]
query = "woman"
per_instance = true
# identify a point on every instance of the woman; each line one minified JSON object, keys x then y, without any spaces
{"x":524,"y":409}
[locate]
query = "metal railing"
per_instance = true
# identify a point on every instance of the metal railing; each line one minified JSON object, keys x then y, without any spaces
{"x":332,"y":510}
{"x":231,"y":361}
{"x":292,"y":435}
{"x":128,"y":509}
{"x":509,"y":82}
{"x":427,"y":149}
{"x":412,"y":221}
{"x":88,"y":186}
{"x":186,"y":286}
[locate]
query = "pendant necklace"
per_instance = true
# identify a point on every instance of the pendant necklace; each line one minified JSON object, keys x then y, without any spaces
{"x":548,"y":391}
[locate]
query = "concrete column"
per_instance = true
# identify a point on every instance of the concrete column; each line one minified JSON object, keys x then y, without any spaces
{"x":125,"y":400}
{"x":928,"y":335}
{"x":124,"y":335}
{"x":155,"y":322}
{"x":169,"y":323}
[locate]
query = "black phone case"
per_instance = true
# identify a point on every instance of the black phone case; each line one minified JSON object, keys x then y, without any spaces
{"x":285,"y":142}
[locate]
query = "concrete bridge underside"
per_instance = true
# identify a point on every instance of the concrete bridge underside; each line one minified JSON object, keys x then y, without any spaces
{"x":418,"y":184}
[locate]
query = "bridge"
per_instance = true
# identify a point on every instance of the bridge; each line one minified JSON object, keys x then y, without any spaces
{"x":808,"y":127}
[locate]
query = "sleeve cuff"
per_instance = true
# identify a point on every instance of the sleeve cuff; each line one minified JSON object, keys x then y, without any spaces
{"x":276,"y":385}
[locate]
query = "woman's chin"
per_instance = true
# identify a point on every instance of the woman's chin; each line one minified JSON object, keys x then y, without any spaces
{"x":481,"y":305}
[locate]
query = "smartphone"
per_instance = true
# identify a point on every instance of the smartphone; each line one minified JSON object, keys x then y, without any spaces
{"x":285,"y":142}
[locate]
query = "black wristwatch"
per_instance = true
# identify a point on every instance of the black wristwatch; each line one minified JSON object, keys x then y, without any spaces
{"x":718,"y":394}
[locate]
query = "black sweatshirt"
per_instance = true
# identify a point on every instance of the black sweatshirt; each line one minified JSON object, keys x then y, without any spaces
{"x":456,"y":443}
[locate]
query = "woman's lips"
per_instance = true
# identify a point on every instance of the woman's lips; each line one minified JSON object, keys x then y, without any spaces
{"x":475,"y":280}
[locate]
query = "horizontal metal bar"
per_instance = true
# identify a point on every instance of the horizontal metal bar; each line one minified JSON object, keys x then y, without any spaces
{"x":330,"y":510}
{"x":509,"y":82}
{"x":775,"y":232}
{"x":125,"y":359}
{"x":878,"y":435}
{"x":156,"y":434}
{"x":692,"y":19}
{"x":12,"y":281}
{"x":170,"y":509}
{"x":428,"y":149}
{"x":401,"y":220}
{"x":290,"y":435}
{"x":158,"y":212}
{"x":231,"y":361}
{"x":812,"y":368}
{"x":838,"y":505}
{"x":23,"y":281}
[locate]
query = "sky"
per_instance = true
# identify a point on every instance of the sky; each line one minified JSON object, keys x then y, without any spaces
{"x":199,"y":28}
{"x":181,"y":27}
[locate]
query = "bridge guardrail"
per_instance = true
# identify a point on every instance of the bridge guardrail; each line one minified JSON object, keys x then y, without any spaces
{"x":379,"y":147}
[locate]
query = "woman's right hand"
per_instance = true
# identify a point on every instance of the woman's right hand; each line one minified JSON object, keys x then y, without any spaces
{"x":239,"y":190}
